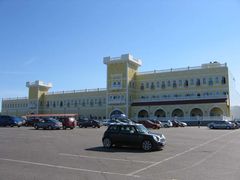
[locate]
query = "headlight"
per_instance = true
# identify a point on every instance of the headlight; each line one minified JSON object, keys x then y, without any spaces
{"x":156,"y":138}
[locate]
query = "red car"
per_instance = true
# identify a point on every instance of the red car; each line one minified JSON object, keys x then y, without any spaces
{"x":149,"y":124}
{"x":68,"y":122}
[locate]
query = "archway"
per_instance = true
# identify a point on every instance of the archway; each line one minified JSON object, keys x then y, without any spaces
{"x":160,"y":113}
{"x":216,"y":112}
{"x":196,"y":112}
{"x":177,"y":113}
{"x":143,"y":114}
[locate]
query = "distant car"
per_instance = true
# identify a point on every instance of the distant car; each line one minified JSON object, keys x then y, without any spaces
{"x":221,"y":125}
{"x":68,"y":122}
{"x":132,"y":135}
{"x":31,"y":121}
{"x":11,"y":121}
{"x":149,"y":124}
{"x":167,"y":123}
{"x":48,"y":123}
{"x":89,"y":123}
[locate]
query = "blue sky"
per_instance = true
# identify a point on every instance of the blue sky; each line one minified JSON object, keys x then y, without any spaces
{"x":64,"y":41}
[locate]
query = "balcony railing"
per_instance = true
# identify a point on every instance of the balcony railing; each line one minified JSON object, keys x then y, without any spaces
{"x":14,"y":99}
{"x":77,"y":91}
{"x":179,"y":98}
{"x":181,"y":69}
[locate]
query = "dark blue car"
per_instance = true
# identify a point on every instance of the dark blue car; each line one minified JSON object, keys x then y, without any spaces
{"x":11,"y":121}
{"x":48,"y":123}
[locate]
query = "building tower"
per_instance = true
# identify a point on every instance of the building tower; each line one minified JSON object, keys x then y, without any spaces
{"x":121,"y":73}
{"x":36,"y":94}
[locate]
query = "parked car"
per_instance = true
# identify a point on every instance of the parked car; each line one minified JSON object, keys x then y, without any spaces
{"x":48,"y":123}
{"x":31,"y":121}
{"x":11,"y":121}
{"x":89,"y":123}
{"x":167,"y":123}
{"x":68,"y":122}
{"x":149,"y":124}
{"x":132,"y":135}
{"x":221,"y":125}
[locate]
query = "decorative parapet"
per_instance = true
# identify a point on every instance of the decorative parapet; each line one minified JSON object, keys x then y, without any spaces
{"x":122,"y":58}
{"x":77,"y":91}
{"x":38,"y":83}
{"x":203,"y":66}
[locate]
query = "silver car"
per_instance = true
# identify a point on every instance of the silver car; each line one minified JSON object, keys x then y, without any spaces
{"x":166,"y":123}
{"x":221,"y":125}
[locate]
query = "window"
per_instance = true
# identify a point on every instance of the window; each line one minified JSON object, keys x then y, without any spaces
{"x":152,"y":85}
{"x":198,"y":82}
{"x":180,"y":83}
{"x":163,"y":85}
{"x":174,"y":84}
{"x":210,"y":82}
{"x":169,"y":83}
{"x":113,"y":129}
{"x":158,"y":84}
{"x":147,"y":85}
{"x":186,"y":83}
{"x":142,"y":86}
{"x":204,"y":80}
{"x":223,"y":80}
{"x":216,"y":80}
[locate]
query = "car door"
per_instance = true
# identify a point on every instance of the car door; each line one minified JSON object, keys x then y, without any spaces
{"x":128,"y":135}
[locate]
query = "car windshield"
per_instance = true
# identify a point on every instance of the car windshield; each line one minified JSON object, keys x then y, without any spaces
{"x":141,"y":129}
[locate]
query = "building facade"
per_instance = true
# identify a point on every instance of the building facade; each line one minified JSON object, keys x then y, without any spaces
{"x":204,"y":92}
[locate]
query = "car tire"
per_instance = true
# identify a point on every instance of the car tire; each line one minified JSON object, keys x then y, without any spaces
{"x":107,"y":143}
{"x":147,"y":145}
{"x":211,"y":127}
{"x":165,"y":125}
{"x":36,"y":127}
{"x":227,"y":127}
{"x":80,"y":126}
{"x":64,"y":128}
{"x":93,"y":126}
{"x":50,"y":127}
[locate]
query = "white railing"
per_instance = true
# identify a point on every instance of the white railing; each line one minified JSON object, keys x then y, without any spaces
{"x":180,"y":69}
{"x":14,"y":99}
{"x":77,"y":91}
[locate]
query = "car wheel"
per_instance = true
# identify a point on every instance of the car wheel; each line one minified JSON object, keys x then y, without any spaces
{"x":93,"y":126}
{"x":36,"y":127}
{"x":64,"y":127}
{"x":228,"y":127}
{"x":107,"y":143}
{"x":211,"y":127}
{"x":80,"y":126}
{"x":165,"y":125}
{"x":50,"y":127}
{"x":147,"y":145}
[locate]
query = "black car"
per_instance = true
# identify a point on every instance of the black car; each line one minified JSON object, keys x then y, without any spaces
{"x":11,"y":121}
{"x":132,"y":135}
{"x":89,"y":123}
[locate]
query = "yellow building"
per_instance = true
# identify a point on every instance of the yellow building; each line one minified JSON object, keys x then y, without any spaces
{"x":204,"y":92}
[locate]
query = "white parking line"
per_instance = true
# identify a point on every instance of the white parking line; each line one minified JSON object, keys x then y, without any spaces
{"x":64,"y":167}
{"x":180,"y":154}
{"x":110,"y":159}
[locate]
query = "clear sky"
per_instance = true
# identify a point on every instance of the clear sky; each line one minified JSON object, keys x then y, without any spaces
{"x":64,"y":41}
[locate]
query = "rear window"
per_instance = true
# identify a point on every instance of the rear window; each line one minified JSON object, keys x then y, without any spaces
{"x":113,"y":129}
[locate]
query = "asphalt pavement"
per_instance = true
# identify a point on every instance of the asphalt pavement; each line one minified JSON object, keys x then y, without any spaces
{"x":191,"y":153}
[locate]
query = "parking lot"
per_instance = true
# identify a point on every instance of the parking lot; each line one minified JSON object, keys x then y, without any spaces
{"x":190,"y":153}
